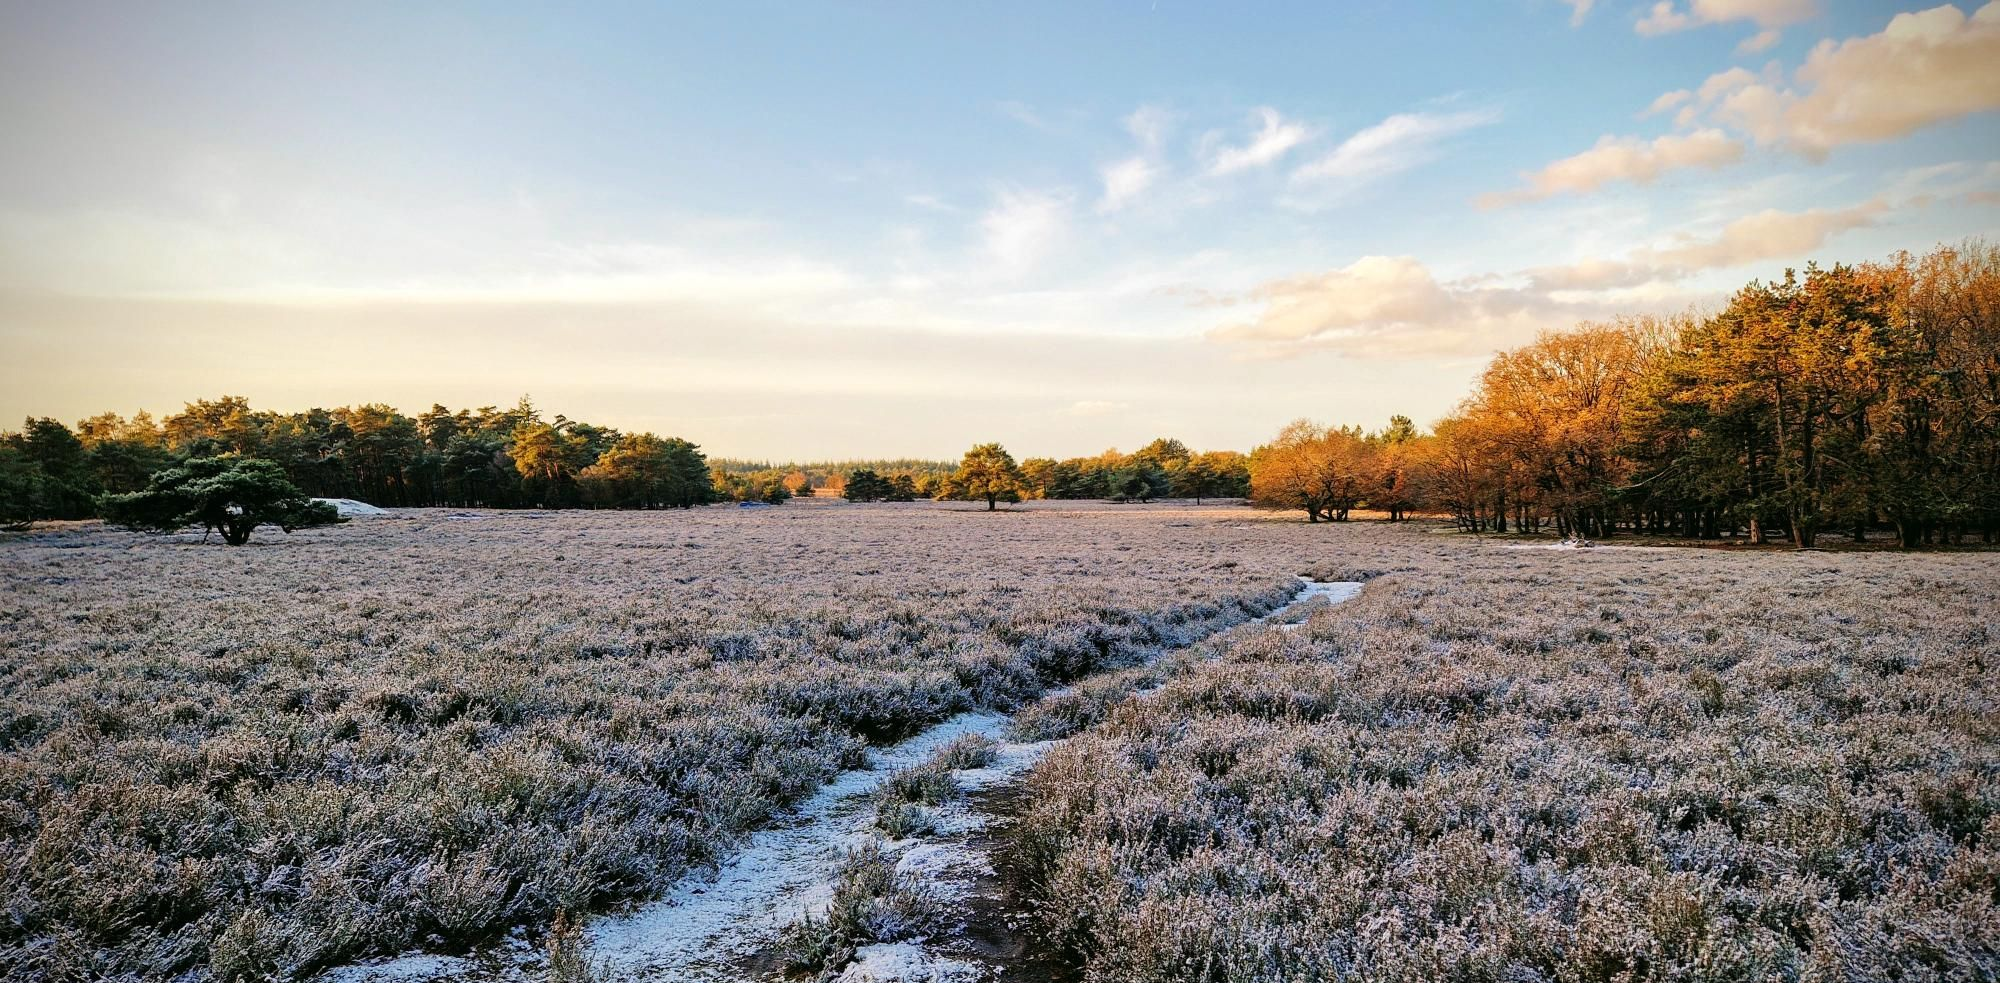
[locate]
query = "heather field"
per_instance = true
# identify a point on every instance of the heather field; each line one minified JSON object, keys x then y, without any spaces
{"x":1584,"y":765}
{"x":431,"y":730}
{"x":420,"y":731}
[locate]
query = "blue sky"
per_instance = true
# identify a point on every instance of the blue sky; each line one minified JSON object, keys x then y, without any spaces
{"x":829,"y":230}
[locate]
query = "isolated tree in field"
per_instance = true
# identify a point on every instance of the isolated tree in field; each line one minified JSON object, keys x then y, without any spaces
{"x":987,"y":472}
{"x":228,"y":495}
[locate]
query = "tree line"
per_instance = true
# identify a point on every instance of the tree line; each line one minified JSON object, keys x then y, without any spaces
{"x":1847,"y":398}
{"x":1164,"y":468}
{"x":490,"y":457}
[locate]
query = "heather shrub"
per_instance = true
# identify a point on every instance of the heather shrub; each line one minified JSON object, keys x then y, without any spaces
{"x":871,"y":903}
{"x":967,"y":751}
{"x":568,"y":961}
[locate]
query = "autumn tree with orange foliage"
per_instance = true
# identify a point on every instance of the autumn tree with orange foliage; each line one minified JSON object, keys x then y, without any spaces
{"x":1847,"y":398}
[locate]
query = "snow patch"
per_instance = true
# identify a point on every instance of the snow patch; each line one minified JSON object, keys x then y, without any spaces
{"x":701,"y":928}
{"x":904,"y":962}
{"x":403,"y":969}
{"x":349,"y":508}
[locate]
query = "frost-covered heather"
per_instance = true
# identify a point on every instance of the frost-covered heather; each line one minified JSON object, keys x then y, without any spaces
{"x":418,"y":731}
{"x":1515,"y":765}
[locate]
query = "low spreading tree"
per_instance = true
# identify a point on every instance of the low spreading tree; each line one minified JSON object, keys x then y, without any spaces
{"x":227,"y":495}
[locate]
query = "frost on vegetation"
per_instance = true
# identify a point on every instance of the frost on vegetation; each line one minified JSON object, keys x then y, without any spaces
{"x":872,"y":902}
{"x":968,"y":751}
{"x":1661,"y":765}
{"x":420,"y":734}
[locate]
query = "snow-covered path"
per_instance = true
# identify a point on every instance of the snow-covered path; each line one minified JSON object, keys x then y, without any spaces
{"x":702,"y":929}
{"x":706,"y":928}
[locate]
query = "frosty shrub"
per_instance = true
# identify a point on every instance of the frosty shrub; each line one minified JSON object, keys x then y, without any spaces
{"x":1518,"y":765}
{"x":967,"y":751}
{"x":568,"y":959}
{"x":871,"y":903}
{"x":427,"y":729}
{"x":900,"y":801}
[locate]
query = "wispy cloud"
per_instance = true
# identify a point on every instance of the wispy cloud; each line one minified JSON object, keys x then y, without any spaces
{"x":1622,"y":159}
{"x":1149,"y":126}
{"x":1767,"y":235}
{"x":1275,"y":135}
{"x":1665,"y":17}
{"x":1022,"y":226}
{"x":929,"y":202}
{"x":1021,"y":113}
{"x":1397,"y":143}
{"x":1124,"y":181}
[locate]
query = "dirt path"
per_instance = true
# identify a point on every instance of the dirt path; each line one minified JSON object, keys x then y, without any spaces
{"x":712,"y":929}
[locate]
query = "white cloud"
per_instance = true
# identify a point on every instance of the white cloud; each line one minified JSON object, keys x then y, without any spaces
{"x":1395,"y":306}
{"x":1022,"y":226}
{"x":1124,"y":181}
{"x":1665,"y":18}
{"x":1666,"y":101}
{"x":1923,"y":68}
{"x":1766,"y":235}
{"x":1578,"y":10}
{"x":1760,"y":41}
{"x":1273,"y":138}
{"x":1622,"y":159}
{"x":1390,"y":306}
{"x":1398,"y":143}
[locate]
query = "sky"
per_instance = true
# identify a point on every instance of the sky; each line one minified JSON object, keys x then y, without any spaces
{"x":819,"y":231}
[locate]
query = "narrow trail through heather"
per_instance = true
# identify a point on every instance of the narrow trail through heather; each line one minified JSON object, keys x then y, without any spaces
{"x":722,"y":928}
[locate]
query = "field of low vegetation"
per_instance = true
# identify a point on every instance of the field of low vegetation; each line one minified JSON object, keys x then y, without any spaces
{"x":421,"y":731}
{"x":1563,"y":765}
{"x":1498,"y":763}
